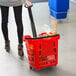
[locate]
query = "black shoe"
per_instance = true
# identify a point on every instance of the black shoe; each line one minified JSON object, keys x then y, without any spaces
{"x":7,"y":46}
{"x":20,"y":50}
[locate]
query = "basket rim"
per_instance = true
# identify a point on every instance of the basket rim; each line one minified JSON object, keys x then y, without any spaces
{"x":43,"y":37}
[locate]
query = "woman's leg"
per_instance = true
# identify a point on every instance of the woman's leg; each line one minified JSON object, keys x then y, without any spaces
{"x":18,"y":19}
{"x":5,"y":12}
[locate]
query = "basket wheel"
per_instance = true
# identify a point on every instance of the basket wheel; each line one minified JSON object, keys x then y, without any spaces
{"x":30,"y":67}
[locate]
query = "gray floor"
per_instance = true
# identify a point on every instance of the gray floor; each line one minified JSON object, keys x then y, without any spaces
{"x":12,"y":65}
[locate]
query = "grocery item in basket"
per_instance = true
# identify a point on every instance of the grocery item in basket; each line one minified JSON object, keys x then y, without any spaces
{"x":42,"y":34}
{"x":50,"y":34}
{"x":31,"y":49}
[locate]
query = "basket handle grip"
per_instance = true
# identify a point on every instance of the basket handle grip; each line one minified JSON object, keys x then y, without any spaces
{"x":27,"y":6}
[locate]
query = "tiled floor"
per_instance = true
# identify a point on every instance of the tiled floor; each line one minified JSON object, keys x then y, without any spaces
{"x":12,"y":65}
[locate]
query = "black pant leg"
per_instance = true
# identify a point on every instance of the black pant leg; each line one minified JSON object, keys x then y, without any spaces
{"x":4,"y":14}
{"x":18,"y":19}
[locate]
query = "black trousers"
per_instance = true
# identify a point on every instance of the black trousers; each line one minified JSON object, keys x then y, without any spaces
{"x":18,"y":18}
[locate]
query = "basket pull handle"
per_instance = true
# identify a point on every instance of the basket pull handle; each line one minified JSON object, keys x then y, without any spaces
{"x":32,"y":21}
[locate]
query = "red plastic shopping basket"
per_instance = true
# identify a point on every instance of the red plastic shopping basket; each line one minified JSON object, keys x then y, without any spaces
{"x":42,"y":51}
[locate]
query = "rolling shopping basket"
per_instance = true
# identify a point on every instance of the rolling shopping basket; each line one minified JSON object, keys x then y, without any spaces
{"x":42,"y":51}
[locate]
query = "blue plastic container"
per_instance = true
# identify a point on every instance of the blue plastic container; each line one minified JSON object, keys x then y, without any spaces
{"x":59,"y":5}
{"x":58,"y":15}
